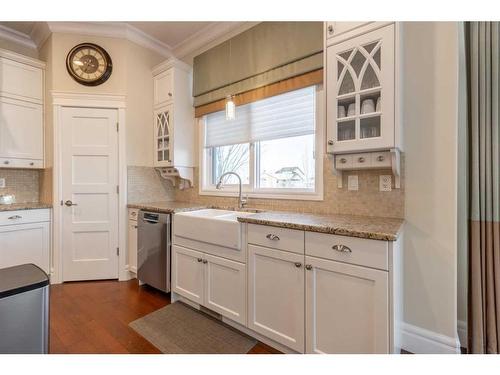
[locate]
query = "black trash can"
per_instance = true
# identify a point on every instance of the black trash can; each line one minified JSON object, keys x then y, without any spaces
{"x":24,"y":310}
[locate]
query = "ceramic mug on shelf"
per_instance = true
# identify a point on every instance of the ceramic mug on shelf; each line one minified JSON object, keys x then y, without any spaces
{"x":340,"y":111}
{"x":368,"y":106}
{"x":351,"y":110}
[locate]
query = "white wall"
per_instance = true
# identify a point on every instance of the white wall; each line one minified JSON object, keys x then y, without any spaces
{"x":430,"y":83}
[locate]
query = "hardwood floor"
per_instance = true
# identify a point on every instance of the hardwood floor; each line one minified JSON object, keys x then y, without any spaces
{"x":93,"y":317}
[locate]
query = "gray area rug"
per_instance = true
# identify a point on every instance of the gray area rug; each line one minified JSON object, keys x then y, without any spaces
{"x":180,"y":329}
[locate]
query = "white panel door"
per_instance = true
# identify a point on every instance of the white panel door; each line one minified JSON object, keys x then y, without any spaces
{"x":276,"y":295}
{"x":225,"y":288}
{"x":25,"y":243}
{"x":347,"y":308}
{"x":188,"y":273}
{"x":21,"y":129}
{"x":89,"y":191}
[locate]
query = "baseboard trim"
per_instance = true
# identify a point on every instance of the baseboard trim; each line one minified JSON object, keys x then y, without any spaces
{"x":422,"y":341}
{"x":462,"y":333}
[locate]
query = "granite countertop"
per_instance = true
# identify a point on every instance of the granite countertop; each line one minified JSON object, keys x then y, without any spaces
{"x":167,"y":207}
{"x":375,"y":228}
{"x":24,"y":206}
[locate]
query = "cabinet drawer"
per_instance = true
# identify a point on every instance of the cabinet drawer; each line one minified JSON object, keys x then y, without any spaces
{"x":133,"y":213}
{"x":360,"y":161}
{"x":24,"y":216}
{"x":364,"y":252}
{"x":21,"y":163}
{"x":276,"y":238}
{"x":381,"y":159}
{"x":343,"y":161}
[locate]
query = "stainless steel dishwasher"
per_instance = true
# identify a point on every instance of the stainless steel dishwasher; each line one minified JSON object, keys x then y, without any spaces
{"x":154,"y":249}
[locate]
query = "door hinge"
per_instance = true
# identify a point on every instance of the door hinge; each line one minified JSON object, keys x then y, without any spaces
{"x":117,"y":189}
{"x":118,"y":251}
{"x":117,"y":126}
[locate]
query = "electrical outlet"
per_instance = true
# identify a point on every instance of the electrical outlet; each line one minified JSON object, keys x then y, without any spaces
{"x":352,"y":182}
{"x":2,"y":183}
{"x":385,"y":183}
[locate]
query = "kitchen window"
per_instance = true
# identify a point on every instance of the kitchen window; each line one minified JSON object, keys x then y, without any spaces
{"x":274,"y":144}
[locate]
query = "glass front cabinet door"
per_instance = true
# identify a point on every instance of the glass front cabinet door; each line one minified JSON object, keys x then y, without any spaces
{"x":163,"y":137}
{"x":360,"y":92}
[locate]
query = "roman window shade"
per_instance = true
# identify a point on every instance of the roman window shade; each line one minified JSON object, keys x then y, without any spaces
{"x":267,"y":53}
{"x":286,"y":115}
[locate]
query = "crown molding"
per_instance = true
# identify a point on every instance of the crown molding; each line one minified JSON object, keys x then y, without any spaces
{"x":40,"y":33}
{"x":199,"y":41}
{"x":17,"y":37}
{"x":102,"y":29}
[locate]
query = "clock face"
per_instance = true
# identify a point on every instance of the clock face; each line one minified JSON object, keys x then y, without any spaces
{"x":89,"y":64}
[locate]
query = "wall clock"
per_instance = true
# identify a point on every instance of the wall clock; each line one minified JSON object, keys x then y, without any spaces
{"x":89,"y":64}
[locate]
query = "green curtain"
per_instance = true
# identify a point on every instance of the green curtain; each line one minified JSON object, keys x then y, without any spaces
{"x":483,"y":66}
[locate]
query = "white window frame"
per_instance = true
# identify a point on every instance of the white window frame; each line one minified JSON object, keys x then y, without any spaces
{"x":205,"y":170}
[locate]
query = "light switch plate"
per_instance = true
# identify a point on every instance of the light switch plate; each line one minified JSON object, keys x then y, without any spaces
{"x":352,"y":182}
{"x":2,"y":183}
{"x":385,"y":183}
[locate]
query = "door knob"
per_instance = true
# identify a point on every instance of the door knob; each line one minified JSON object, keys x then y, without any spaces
{"x":69,"y":203}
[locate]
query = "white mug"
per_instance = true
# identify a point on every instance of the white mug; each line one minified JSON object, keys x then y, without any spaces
{"x":351,"y":110}
{"x":368,"y":106}
{"x":340,"y":111}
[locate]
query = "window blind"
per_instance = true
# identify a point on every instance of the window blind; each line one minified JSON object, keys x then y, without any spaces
{"x":286,"y":115}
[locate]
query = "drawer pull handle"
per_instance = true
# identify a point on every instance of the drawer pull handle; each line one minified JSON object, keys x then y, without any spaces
{"x":343,"y":160}
{"x":330,"y":143}
{"x":361,"y":159}
{"x":309,"y":267}
{"x":6,"y":162}
{"x":32,"y":163}
{"x":15,"y":217}
{"x":272,"y":237}
{"x":205,"y":261}
{"x":199,"y":260}
{"x":380,"y":158}
{"x":330,"y":29}
{"x":135,"y":226}
{"x":298,"y":264}
{"x":341,"y":248}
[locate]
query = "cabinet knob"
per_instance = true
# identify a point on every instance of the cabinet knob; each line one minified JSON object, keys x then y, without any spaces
{"x":341,"y":248}
{"x":199,"y":260}
{"x":135,"y":226}
{"x":361,"y":159}
{"x":6,"y":162}
{"x":330,"y":143}
{"x":380,"y":158}
{"x":343,"y":160}
{"x":309,"y":267}
{"x":170,"y":94}
{"x":298,"y":264}
{"x":272,"y":237}
{"x":205,"y":261}
{"x":330,"y":29}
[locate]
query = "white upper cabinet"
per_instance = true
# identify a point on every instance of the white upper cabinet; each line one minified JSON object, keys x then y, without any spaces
{"x":163,"y":88}
{"x":336,"y":29}
{"x":173,"y":115}
{"x":21,"y":109}
{"x":361,"y":106}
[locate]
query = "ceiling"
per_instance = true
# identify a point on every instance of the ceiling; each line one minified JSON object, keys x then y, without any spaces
{"x":22,"y":27}
{"x":169,"y":34}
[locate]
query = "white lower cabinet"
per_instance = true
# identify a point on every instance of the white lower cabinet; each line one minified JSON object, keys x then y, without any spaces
{"x":347,"y":308}
{"x":187,"y":273}
{"x":214,"y":282}
{"x":25,"y":238}
{"x":132,"y":246}
{"x":276,"y":295}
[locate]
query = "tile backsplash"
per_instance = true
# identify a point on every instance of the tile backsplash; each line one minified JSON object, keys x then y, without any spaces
{"x":23,"y":183}
{"x":146,"y":185}
{"x":367,"y":201}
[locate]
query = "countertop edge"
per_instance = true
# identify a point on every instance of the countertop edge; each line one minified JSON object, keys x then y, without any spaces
{"x":323,"y":229}
{"x":21,"y":207}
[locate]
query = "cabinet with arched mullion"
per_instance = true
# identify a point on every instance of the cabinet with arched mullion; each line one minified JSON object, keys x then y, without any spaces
{"x":360,"y":92}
